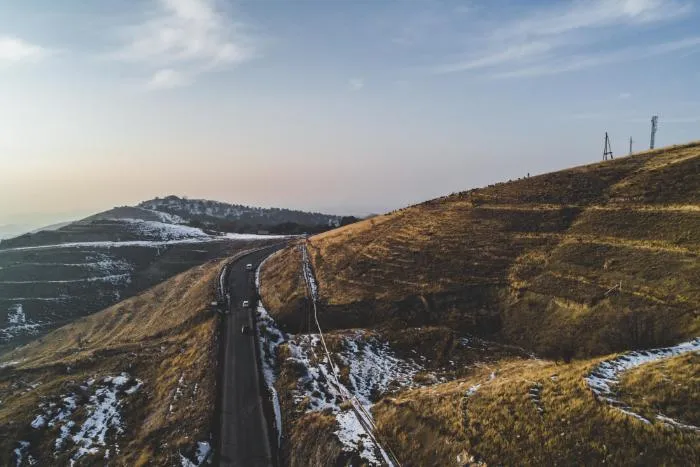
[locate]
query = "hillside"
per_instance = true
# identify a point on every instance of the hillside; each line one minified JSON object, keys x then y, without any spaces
{"x":482,"y":328}
{"x":530,"y":262}
{"x":49,"y":278}
{"x":133,"y":383}
{"x":236,"y":217}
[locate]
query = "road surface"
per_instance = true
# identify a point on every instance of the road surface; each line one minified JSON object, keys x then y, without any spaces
{"x":244,"y":437}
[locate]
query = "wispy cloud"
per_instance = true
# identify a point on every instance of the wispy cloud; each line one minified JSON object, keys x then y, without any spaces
{"x":513,"y":53}
{"x":580,"y":15}
{"x":13,"y":49}
{"x":556,"y":65}
{"x":356,"y":84}
{"x":181,"y":39}
{"x":624,"y":95}
{"x":168,"y":78}
{"x":556,"y":39}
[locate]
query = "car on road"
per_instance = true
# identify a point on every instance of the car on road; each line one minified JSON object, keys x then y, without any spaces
{"x":245,"y":330}
{"x":249,"y":267}
{"x":246,"y":304}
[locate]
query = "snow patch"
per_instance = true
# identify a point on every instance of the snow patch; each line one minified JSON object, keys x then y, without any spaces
{"x":18,"y":324}
{"x":374,"y":367}
{"x":202,"y":455}
{"x":373,"y":370}
{"x":308,"y":273}
{"x":38,"y":422}
{"x":101,"y":411}
{"x":20,"y":452}
{"x":163,"y":231}
{"x":605,"y":377}
{"x":675,"y":423}
{"x":269,"y":339}
{"x":242,"y":236}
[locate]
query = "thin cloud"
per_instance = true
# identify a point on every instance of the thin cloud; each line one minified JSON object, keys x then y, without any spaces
{"x":546,"y":38}
{"x":513,"y":53}
{"x":13,"y":49}
{"x":624,"y":95}
{"x":183,"y":39}
{"x":167,"y":79}
{"x":581,"y":14}
{"x":581,"y":62}
{"x":356,"y":84}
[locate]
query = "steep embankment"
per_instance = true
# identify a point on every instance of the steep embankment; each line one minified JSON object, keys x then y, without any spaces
{"x":133,"y":383}
{"x":536,"y":262}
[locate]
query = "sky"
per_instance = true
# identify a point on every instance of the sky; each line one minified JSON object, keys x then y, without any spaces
{"x":339,"y":106}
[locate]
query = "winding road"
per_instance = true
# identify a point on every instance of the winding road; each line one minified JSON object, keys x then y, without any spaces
{"x":244,"y":430}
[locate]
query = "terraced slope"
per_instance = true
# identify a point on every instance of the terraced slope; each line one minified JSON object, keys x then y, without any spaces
{"x":536,"y":262}
{"x":134,"y":384}
{"x":50,"y":278}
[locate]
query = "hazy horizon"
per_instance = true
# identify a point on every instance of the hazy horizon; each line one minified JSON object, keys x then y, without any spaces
{"x":337,"y":107}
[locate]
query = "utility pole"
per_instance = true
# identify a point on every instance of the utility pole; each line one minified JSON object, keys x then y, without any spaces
{"x":607,"y":149}
{"x":630,"y":145}
{"x":654,"y":127}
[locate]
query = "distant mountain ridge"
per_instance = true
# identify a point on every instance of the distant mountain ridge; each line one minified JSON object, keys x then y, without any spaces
{"x":206,"y":211}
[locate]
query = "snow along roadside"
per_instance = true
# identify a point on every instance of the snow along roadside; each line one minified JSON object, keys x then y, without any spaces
{"x":605,"y":377}
{"x":364,"y":419}
{"x":269,"y":339}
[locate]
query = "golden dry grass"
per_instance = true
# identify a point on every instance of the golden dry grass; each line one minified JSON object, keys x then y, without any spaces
{"x":528,"y":261}
{"x":502,"y":424}
{"x":670,"y":387}
{"x":165,"y":337}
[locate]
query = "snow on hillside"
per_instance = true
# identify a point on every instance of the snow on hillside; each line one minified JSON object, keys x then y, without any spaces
{"x":153,"y":234}
{"x":163,"y":231}
{"x":17,"y":324}
{"x":373,"y":370}
{"x":207,"y":209}
{"x":167,"y":217}
{"x":605,"y":377}
{"x":89,"y":423}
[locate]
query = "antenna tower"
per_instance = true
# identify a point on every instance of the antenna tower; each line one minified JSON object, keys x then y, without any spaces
{"x":654,"y":127}
{"x":630,"y":145}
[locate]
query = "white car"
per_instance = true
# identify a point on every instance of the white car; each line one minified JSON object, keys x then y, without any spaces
{"x":249,"y":267}
{"x":246,"y":304}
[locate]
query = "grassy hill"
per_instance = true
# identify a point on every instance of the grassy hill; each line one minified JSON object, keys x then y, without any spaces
{"x":240,"y":218}
{"x":474,"y":326}
{"x":133,"y":383}
{"x":531,"y":262}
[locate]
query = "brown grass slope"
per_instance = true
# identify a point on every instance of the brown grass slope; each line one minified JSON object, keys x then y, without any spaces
{"x":529,"y":261}
{"x":670,"y":387}
{"x":165,"y":337}
{"x":528,"y":413}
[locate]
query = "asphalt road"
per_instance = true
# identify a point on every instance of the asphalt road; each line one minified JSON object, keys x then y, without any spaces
{"x":245,"y":440}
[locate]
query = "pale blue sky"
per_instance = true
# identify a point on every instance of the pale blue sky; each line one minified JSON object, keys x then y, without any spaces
{"x":340,"y":106}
